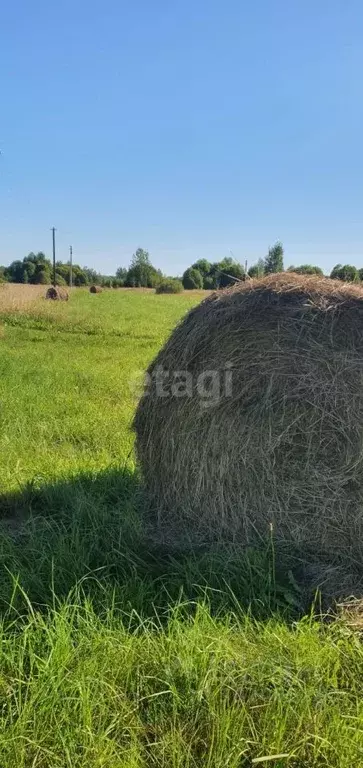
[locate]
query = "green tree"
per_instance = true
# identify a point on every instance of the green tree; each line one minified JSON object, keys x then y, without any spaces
{"x":230,"y":272}
{"x":224,"y":273}
{"x":79,"y":276}
{"x":203,"y":266}
{"x":258,"y":269}
{"x":64,"y":271}
{"x":43,"y":268}
{"x":192,"y":279}
{"x":29,"y":271}
{"x":350,"y":273}
{"x":209,"y":283}
{"x":274,"y":261}
{"x":121,"y":275}
{"x":141,"y":273}
{"x":214,"y":275}
{"x":36,"y":268}
{"x":36,"y":258}
{"x":26,"y":271}
{"x":42,"y":276}
{"x":15,"y":272}
{"x":93,"y":277}
{"x":59,"y":279}
{"x":336,"y":271}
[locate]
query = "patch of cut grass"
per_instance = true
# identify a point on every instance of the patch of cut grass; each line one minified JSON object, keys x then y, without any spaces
{"x":68,"y":375}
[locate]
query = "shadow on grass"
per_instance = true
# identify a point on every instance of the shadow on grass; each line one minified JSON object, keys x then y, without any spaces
{"x":88,"y":531}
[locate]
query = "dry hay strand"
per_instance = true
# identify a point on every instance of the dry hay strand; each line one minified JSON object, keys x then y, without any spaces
{"x":351,"y":614}
{"x":279,"y":453}
{"x":95,"y":289}
{"x":57,"y":293}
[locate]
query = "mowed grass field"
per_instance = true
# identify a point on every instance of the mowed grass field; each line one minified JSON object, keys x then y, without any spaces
{"x":114,"y":654}
{"x":69,"y":376}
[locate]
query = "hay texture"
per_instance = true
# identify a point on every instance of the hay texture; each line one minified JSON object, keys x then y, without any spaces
{"x":57,"y":293}
{"x":95,"y":289}
{"x":280,"y":451}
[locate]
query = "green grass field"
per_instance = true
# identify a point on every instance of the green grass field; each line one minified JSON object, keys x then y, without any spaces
{"x":114,"y":654}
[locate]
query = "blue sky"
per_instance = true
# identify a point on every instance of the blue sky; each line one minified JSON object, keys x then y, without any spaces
{"x":188,"y":128}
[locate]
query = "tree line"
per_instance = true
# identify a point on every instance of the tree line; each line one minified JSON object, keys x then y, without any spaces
{"x":141,"y":273}
{"x":36,"y":269}
{"x":203,"y":274}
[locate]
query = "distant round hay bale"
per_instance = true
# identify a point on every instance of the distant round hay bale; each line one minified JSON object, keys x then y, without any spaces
{"x":57,"y":293}
{"x":251,"y":424}
{"x":95,"y":289}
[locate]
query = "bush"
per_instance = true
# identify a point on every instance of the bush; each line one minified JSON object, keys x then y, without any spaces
{"x":192,"y":279}
{"x":169,"y":285}
{"x":209,"y":283}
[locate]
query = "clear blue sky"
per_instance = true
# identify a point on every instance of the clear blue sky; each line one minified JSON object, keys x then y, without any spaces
{"x":188,"y":128}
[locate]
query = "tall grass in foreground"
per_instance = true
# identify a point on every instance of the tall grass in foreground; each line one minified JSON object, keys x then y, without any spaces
{"x":114,"y":654}
{"x":80,"y":691}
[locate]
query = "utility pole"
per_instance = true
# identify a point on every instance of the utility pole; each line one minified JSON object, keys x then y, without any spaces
{"x":71,"y":265}
{"x":53,"y":232}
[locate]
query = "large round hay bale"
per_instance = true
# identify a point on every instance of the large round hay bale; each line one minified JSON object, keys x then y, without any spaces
{"x":57,"y":293}
{"x":95,"y":289}
{"x":251,"y":424}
